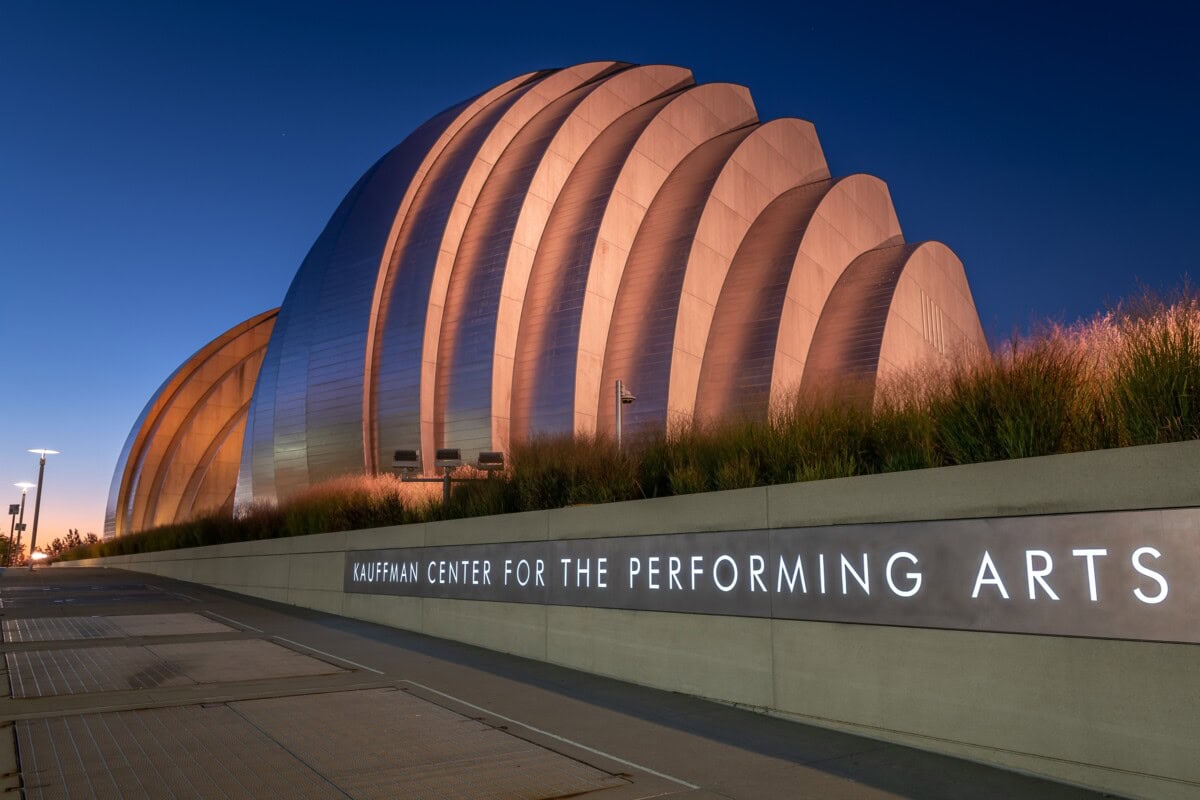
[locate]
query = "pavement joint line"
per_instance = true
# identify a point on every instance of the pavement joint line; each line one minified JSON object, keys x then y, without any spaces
{"x":192,"y":698}
{"x":234,"y":621}
{"x":181,"y":594}
{"x":125,"y":641}
{"x":330,"y":655}
{"x":554,"y":736}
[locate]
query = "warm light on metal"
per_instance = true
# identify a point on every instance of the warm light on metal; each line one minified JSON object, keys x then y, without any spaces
{"x":491,"y":278}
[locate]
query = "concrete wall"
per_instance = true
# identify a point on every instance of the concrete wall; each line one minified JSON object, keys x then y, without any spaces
{"x":1117,"y":715}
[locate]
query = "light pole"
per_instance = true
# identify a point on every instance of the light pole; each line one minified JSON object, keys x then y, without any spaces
{"x":12,"y":526}
{"x":623,"y":398}
{"x":37,"y":501}
{"x":24,"y":486}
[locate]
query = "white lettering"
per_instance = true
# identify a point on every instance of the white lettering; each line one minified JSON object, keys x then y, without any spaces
{"x":986,"y":566}
{"x":674,"y":567}
{"x":652,"y":570}
{"x":915,"y":577}
{"x":696,"y":570}
{"x":863,"y":580}
{"x":1090,"y":555}
{"x":538,"y":579}
{"x":635,"y":568}
{"x":602,"y":572}
{"x":758,"y":565}
{"x":797,"y":572}
{"x":1151,"y":574}
{"x":583,"y":568}
{"x":716,"y":573}
{"x":566,"y":562}
{"x":1038,"y":576}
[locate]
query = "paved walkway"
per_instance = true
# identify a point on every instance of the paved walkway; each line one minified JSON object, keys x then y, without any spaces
{"x":124,"y":685}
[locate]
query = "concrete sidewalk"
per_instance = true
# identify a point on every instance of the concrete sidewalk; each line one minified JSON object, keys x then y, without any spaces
{"x":126,"y":685}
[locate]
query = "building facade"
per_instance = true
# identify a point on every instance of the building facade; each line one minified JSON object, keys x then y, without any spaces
{"x":492,"y":277}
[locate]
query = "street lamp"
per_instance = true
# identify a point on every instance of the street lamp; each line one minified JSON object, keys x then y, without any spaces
{"x":37,"y":501}
{"x":623,"y":398}
{"x":24,"y":486}
{"x":12,"y":526}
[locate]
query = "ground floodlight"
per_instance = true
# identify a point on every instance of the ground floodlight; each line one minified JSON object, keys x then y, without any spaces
{"x":491,"y":460}
{"x":448,"y":457}
{"x":406,"y":459}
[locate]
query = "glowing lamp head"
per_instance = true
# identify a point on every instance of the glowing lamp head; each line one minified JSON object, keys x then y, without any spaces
{"x":38,"y":555}
{"x":43,"y":452}
{"x":24,"y":486}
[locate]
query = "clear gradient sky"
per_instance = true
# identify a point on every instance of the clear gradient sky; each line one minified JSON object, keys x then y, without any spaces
{"x":164,"y":166}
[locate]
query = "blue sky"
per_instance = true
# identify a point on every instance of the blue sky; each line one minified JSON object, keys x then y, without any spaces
{"x":164,"y":167}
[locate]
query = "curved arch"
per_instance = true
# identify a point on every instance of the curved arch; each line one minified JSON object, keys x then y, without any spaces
{"x":893,"y":308}
{"x":421,"y":261}
{"x":685,"y":124}
{"x":780,"y":278}
{"x":668,"y":294}
{"x":170,"y":440}
{"x":487,"y":278}
{"x":779,"y":156}
{"x":487,"y":289}
{"x":306,"y":414}
{"x":385,"y":276}
{"x":735,"y":377}
{"x":205,"y":483}
{"x":548,"y":336}
{"x":641,"y":333}
{"x":857,"y":215}
{"x":221,"y":387}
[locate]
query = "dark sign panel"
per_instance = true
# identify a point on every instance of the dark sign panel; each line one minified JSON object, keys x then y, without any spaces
{"x":1125,"y":575}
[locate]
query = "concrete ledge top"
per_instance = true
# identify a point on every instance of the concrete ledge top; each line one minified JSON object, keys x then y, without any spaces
{"x":1131,"y":478}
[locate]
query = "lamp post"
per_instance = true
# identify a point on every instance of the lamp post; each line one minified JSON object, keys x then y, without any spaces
{"x":408,"y":464}
{"x":24,"y":486}
{"x":12,"y":526}
{"x":623,"y":398}
{"x":37,"y":501}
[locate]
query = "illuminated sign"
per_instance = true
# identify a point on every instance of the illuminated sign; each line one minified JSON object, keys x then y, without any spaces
{"x":1126,"y":575}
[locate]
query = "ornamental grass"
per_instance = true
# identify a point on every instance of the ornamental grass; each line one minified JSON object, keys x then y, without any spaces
{"x":1129,"y":376}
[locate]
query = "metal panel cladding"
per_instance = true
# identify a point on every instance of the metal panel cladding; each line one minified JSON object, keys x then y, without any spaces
{"x":181,"y":458}
{"x":307,"y":422}
{"x":405,"y":300}
{"x":489,"y":279}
